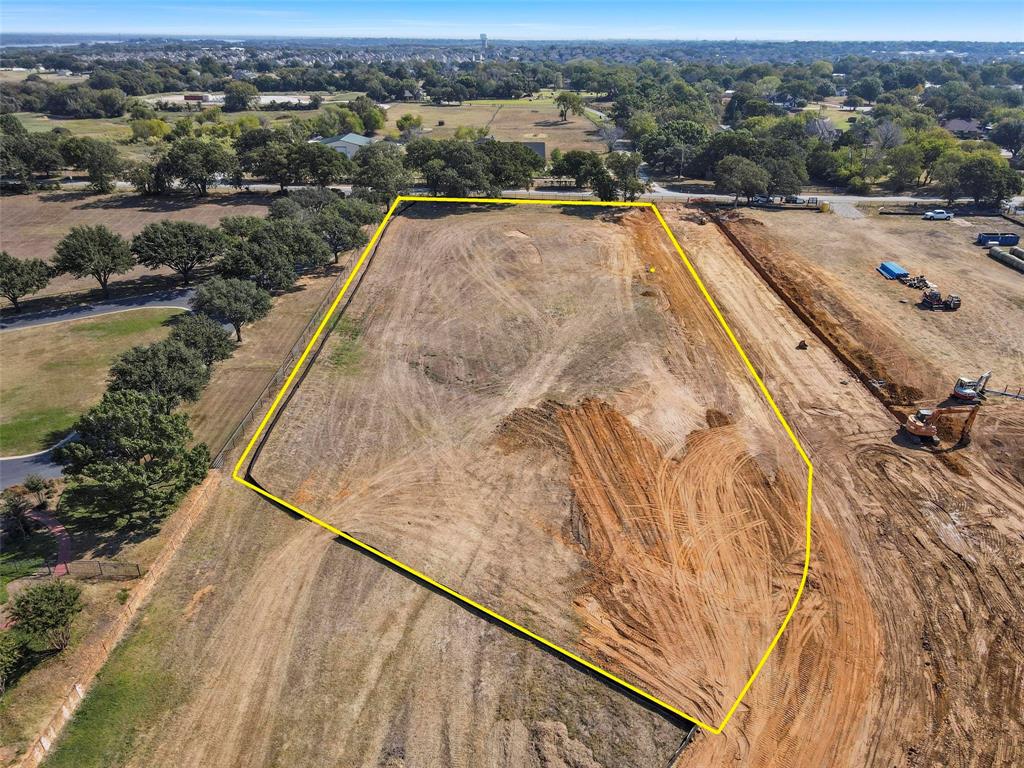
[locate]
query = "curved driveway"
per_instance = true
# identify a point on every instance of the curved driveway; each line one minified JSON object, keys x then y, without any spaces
{"x":14,"y":469}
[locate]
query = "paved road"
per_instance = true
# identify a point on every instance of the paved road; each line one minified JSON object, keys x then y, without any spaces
{"x":658,"y":192}
{"x":176,"y":298}
{"x":15,"y":469}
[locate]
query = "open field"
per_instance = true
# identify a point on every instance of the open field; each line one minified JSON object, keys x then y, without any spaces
{"x":11,"y":76}
{"x":512,"y":394}
{"x":520,"y":120}
{"x":34,"y":223}
{"x":905,"y":650}
{"x":842,"y":119}
{"x":54,"y":373}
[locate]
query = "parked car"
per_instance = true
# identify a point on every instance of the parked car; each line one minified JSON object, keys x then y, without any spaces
{"x":938,"y":215}
{"x":761,"y":200}
{"x":794,"y":200}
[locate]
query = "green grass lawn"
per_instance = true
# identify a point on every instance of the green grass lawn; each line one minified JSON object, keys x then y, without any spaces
{"x":841,"y":119}
{"x":54,"y":373}
{"x":134,"y":687}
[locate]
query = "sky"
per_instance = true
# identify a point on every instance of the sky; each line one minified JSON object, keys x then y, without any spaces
{"x":979,"y":20}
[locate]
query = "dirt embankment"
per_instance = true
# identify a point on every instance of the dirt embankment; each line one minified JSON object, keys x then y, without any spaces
{"x":806,"y":291}
{"x":905,"y":649}
{"x":889,"y":350}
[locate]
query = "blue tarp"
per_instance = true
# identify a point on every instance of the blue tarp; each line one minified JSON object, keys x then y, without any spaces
{"x":890,"y":270}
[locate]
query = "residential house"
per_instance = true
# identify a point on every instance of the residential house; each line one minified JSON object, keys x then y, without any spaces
{"x":964,"y":129}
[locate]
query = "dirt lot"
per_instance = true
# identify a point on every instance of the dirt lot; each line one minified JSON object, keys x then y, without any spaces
{"x":905,"y":651}
{"x":830,"y":264}
{"x":33,"y":224}
{"x":522,"y":386}
{"x":518,"y":121}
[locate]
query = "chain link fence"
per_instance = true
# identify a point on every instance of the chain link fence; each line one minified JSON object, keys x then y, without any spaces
{"x":280,"y":374}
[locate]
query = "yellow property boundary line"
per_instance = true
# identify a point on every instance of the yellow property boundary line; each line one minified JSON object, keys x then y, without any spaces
{"x":716,"y":729}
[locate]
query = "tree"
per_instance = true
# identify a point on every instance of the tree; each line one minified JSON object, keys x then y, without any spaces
{"x":45,"y":612}
{"x":905,"y":166}
{"x":988,"y":179}
{"x":567,"y":102}
{"x":93,"y":251}
{"x":582,"y":166}
{"x":14,"y":509}
{"x":12,"y":648}
{"x":945,"y":173}
{"x":235,"y":301}
{"x":787,"y":173}
{"x":740,"y":176}
{"x":380,"y":174}
{"x":134,"y":454}
{"x":371,"y":115}
{"x":240,"y":96}
{"x":38,"y":485}
{"x":1009,"y":134}
{"x":181,"y":245}
{"x":205,"y":336}
{"x":99,"y":158}
{"x":147,"y":178}
{"x":168,"y":370}
{"x":320,"y":164}
{"x":450,"y":167}
{"x":625,"y":166}
{"x":339,"y":234}
{"x":314,"y":199}
{"x":868,"y":88}
{"x":197,"y":163}
{"x":21,"y":277}
{"x":511,"y":165}
{"x":268,"y":264}
{"x":409,"y":124}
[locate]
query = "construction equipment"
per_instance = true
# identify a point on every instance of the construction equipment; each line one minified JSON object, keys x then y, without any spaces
{"x":920,"y":282}
{"x":923,"y":425}
{"x":932,"y":299}
{"x":971,"y":390}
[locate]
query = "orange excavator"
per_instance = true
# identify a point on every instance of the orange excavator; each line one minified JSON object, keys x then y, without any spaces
{"x":924,"y":424}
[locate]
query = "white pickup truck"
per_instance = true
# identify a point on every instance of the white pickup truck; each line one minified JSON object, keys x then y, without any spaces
{"x":938,"y":215}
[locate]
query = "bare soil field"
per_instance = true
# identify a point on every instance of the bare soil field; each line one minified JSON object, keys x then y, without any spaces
{"x":906,"y":649}
{"x":282,"y":646}
{"x":517,"y":121}
{"x":31,"y":225}
{"x":829,"y":264}
{"x":518,"y":381}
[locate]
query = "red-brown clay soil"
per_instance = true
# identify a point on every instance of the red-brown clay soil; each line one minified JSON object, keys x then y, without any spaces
{"x":516,"y":405}
{"x":598,"y":524}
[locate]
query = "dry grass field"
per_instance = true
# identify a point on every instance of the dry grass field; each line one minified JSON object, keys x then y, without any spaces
{"x":33,"y":224}
{"x":508,"y":121}
{"x":513,"y":402}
